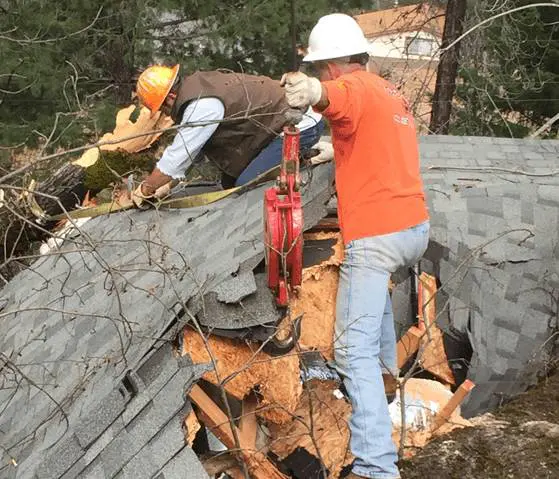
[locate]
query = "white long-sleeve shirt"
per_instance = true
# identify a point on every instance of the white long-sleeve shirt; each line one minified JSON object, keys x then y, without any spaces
{"x":189,"y":141}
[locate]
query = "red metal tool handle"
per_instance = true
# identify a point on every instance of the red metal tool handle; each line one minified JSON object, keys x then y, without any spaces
{"x":283,"y":222}
{"x":290,"y":179}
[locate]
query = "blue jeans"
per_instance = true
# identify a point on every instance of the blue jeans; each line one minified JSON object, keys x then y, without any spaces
{"x":271,"y":155}
{"x":365,"y":341}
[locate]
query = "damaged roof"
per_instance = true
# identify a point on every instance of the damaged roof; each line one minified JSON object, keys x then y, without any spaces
{"x":91,"y":386}
{"x":494,"y":206}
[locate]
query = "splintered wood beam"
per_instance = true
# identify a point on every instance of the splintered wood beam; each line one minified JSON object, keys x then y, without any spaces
{"x":248,"y":425}
{"x":408,"y":345}
{"x":217,"y":421}
{"x":456,"y":399}
{"x":433,"y":354}
{"x":213,"y":417}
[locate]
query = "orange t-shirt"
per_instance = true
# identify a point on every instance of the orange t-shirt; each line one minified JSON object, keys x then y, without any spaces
{"x":377,"y":159}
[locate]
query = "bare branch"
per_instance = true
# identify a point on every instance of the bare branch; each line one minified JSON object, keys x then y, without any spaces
{"x":545,"y":126}
{"x":29,"y":41}
{"x":494,"y":17}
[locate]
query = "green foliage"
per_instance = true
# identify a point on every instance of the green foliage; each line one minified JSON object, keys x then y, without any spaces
{"x":67,"y":66}
{"x":64,"y":57}
{"x":509,"y":80}
{"x":248,"y":36}
{"x":113,"y":165}
{"x":80,"y":59}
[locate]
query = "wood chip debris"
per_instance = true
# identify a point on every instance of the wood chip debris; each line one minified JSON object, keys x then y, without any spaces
{"x":315,"y":417}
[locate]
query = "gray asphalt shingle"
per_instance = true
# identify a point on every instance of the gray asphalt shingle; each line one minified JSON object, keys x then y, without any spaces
{"x":100,"y":311}
{"x":509,"y":276}
{"x":87,"y":310}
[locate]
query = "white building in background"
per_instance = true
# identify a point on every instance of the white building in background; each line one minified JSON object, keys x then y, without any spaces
{"x":404,"y":47}
{"x":411,"y":45}
{"x":411,"y":32}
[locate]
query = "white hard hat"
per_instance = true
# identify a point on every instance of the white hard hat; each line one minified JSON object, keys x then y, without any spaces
{"x":335,"y":36}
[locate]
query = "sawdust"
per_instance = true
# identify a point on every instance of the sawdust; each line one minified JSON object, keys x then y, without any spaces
{"x":318,"y":303}
{"x":433,"y":358}
{"x":317,"y":300}
{"x":328,"y":430}
{"x":241,"y":371}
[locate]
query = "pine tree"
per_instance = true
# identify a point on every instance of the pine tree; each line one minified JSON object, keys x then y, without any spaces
{"x":509,"y":78}
{"x":80,"y":58}
{"x":56,"y":59}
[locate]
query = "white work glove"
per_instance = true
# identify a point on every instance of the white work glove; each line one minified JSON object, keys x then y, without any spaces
{"x":140,"y":199}
{"x":301,"y":90}
{"x":164,"y":190}
{"x":326,"y":153}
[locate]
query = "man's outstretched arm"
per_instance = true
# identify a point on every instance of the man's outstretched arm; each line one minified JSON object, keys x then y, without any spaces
{"x":179,"y":156}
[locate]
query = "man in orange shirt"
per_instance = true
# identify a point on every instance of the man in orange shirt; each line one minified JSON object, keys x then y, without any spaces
{"x":383,"y":219}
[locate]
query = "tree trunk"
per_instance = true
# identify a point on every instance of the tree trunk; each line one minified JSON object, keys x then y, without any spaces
{"x":448,"y":67}
{"x":20,"y":232}
{"x":71,"y":182}
{"x":67,"y":184}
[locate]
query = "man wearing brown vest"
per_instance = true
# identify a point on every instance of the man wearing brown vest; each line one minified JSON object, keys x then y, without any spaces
{"x":234,"y":119}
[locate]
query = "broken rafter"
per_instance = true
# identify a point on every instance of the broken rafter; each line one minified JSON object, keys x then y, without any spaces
{"x":248,"y":424}
{"x":408,"y":345}
{"x":455,"y":401}
{"x":242,"y":368}
{"x":217,"y":421}
{"x":433,"y":355}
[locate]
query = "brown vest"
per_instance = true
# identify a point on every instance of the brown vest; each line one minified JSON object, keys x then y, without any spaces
{"x":254,"y":114}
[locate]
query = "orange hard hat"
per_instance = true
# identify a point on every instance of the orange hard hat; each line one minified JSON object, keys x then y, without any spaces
{"x":154,"y":84}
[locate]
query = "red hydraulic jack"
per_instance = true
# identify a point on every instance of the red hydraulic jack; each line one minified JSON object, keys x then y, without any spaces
{"x":283,"y":222}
